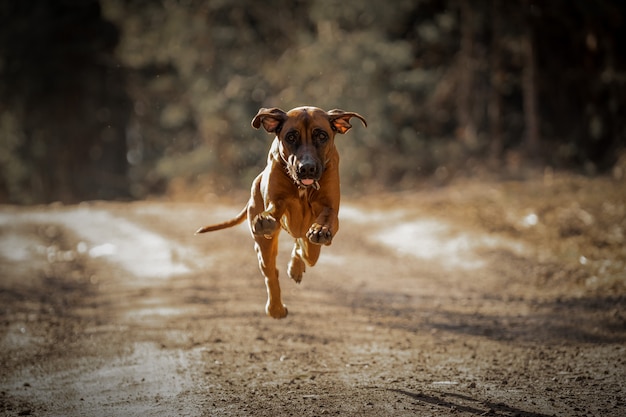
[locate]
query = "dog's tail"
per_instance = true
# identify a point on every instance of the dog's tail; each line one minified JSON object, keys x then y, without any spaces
{"x":225,"y":225}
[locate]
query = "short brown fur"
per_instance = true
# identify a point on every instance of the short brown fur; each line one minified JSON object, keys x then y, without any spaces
{"x":297,"y":191}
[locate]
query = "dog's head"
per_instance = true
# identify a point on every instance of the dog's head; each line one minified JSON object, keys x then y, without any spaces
{"x":306,"y":138}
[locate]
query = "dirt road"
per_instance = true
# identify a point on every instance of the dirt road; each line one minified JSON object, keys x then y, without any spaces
{"x":475,"y":300}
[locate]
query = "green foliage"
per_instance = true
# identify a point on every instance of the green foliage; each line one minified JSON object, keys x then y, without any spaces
{"x":231,"y":58}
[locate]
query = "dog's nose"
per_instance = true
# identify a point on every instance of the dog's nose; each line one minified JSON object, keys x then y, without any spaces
{"x":307,"y":170}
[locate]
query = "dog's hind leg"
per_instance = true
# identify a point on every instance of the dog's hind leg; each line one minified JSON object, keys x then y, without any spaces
{"x":296,"y":266}
{"x":303,"y":253}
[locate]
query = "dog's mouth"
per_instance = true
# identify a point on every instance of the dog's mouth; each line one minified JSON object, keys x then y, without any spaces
{"x":308,"y":182}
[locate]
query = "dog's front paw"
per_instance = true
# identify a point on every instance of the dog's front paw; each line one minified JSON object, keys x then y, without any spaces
{"x":320,"y":235}
{"x":264,"y":225}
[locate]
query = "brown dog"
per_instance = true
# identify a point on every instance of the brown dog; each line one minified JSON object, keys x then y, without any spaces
{"x":298,"y":190}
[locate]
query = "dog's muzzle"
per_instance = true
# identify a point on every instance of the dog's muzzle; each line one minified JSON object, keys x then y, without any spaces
{"x":306,"y":172}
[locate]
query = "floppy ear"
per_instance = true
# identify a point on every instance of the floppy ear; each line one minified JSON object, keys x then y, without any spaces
{"x":272,"y":119}
{"x":340,"y":120}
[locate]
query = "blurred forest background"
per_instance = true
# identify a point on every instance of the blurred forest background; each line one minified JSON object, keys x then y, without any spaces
{"x":122,"y":99}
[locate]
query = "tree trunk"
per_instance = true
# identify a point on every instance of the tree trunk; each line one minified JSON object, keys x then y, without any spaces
{"x":467,"y":127}
{"x":529,"y":91}
{"x":495,"y":96}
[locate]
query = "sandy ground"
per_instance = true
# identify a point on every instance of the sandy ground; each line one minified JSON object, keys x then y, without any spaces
{"x":502,"y":299}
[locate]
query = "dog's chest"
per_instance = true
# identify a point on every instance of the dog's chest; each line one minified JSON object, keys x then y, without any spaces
{"x":299,"y":215}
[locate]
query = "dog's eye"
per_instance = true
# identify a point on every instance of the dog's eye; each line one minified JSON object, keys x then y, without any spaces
{"x":291,"y":137}
{"x":321,"y":136}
